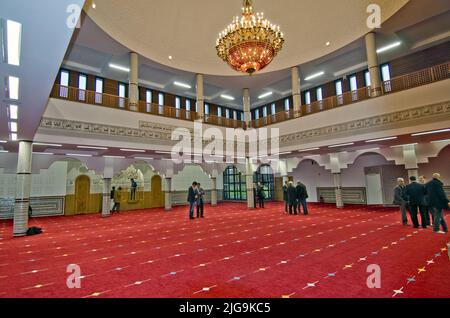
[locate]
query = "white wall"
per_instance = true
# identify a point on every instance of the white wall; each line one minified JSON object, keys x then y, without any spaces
{"x":354,"y":175}
{"x":183,"y":180}
{"x":312,"y":176}
{"x":440,"y":164}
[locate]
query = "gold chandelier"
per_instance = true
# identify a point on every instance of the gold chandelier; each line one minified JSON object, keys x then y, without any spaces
{"x":249,"y":43}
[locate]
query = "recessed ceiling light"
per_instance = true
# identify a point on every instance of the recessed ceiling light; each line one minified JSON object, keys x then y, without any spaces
{"x":405,"y":145}
{"x":164,"y":152}
{"x":381,"y":139}
{"x":94,"y":6}
{"x":120,"y":68}
{"x":314,"y":76}
{"x":3,"y":141}
{"x":13,"y":126}
{"x":182,"y":85}
{"x":92,"y":147}
{"x":170,"y":57}
{"x":342,"y":145}
{"x":114,"y":157}
{"x":389,"y":47}
{"x":43,"y":153}
{"x":227,"y":97}
{"x":431,"y":132}
{"x":13,"y":36}
{"x":77,"y":155}
{"x":13,"y":137}
{"x":443,"y":140}
{"x":327,"y":44}
{"x":310,"y":149}
{"x":265,"y":95}
{"x":370,"y":149}
{"x":13,"y":112}
{"x":44,"y":144}
{"x":143,"y":158}
{"x":13,"y":87}
{"x":132,"y":150}
{"x":4,"y":151}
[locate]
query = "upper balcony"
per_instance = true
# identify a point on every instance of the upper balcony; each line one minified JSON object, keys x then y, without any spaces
{"x":397,"y":84}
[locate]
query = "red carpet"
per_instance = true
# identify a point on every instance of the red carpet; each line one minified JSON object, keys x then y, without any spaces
{"x":233,"y":252}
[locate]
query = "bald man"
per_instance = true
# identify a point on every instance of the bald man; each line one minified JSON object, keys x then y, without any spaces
{"x":438,"y":201}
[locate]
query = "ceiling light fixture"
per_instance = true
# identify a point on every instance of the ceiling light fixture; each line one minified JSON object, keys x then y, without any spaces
{"x":170,"y":57}
{"x":249,"y":43}
{"x":405,"y":145}
{"x":265,"y":95}
{"x":389,"y":47}
{"x":228,"y":97}
{"x":94,"y":6}
{"x":43,"y":153}
{"x":114,"y":157}
{"x":14,"y":137}
{"x":381,"y":139}
{"x":143,"y":158}
{"x":14,"y":38}
{"x":315,"y":75}
{"x":77,"y":155}
{"x":13,"y":87}
{"x":13,"y":112}
{"x":132,"y":150}
{"x":327,"y":44}
{"x":179,"y":84}
{"x":431,"y":132}
{"x":342,"y":145}
{"x":13,"y":126}
{"x":92,"y":147}
{"x":164,"y":152}
{"x":443,"y":140}
{"x":4,"y":151}
{"x":3,"y":141}
{"x":118,"y":67}
{"x":44,"y":144}
{"x":310,"y":149}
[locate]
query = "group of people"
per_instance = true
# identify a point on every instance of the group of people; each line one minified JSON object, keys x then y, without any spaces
{"x":258,"y":195}
{"x":423,"y":197}
{"x":115,"y":197}
{"x":196,"y":196}
{"x":295,"y":198}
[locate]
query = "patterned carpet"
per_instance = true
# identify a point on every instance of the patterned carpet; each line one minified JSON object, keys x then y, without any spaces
{"x":233,"y":252}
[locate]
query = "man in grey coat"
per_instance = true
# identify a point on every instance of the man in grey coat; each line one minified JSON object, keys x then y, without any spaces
{"x":399,"y":199}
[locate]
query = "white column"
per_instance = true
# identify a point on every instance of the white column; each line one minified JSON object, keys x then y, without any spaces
{"x":214,"y":191}
{"x":410,"y":160}
{"x":296,"y":91}
{"x":249,"y":181}
{"x":133,"y":86}
{"x":168,"y":194}
{"x":23,"y":188}
{"x":413,"y":173}
{"x":200,"y":98}
{"x":372,"y":61}
{"x":338,"y":190}
{"x":246,"y":103}
{"x":106,"y":204}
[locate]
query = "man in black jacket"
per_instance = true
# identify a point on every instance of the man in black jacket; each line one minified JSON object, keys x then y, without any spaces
{"x":302,"y":195}
{"x":399,"y":199}
{"x":260,"y":194}
{"x":438,"y":202}
{"x":292,"y":198}
{"x":192,"y":198}
{"x":414,"y":193}
{"x":425,"y":204}
{"x":285,"y":188}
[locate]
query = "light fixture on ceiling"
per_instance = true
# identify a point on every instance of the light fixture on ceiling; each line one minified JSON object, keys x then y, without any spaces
{"x":431,"y":132}
{"x":94,"y":5}
{"x":143,"y":158}
{"x":170,"y":57}
{"x":381,"y":139}
{"x":405,"y":145}
{"x":370,"y":149}
{"x":265,"y":95}
{"x":250,"y":43}
{"x":92,"y":147}
{"x":4,"y":151}
{"x":13,"y":112}
{"x":342,"y":145}
{"x":315,"y":75}
{"x":3,"y":141}
{"x":310,"y":149}
{"x":118,"y":67}
{"x":13,"y":87}
{"x":77,"y":155}
{"x":13,"y":126}
{"x":114,"y":157}
{"x":284,"y":153}
{"x":179,"y":84}
{"x":437,"y":141}
{"x":163,"y":152}
{"x":389,"y":47}
{"x":43,"y":153}
{"x":228,"y":97}
{"x":45,"y":144}
{"x":328,"y":43}
{"x":132,"y":150}
{"x":13,"y":42}
{"x":14,"y":137}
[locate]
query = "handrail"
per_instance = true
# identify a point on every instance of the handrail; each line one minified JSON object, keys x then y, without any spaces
{"x":396,"y":84}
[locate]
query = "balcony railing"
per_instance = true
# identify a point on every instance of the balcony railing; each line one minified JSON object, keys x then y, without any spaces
{"x":400,"y":83}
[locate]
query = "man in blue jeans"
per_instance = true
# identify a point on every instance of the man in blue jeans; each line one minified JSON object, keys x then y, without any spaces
{"x":192,"y":198}
{"x":438,"y":201}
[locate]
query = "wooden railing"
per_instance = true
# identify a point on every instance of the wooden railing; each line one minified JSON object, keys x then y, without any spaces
{"x":419,"y":78}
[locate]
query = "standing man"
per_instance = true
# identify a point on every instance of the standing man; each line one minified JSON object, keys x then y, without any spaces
{"x":192,"y":198}
{"x":425,"y":201}
{"x":414,"y":193}
{"x":261,"y":195}
{"x":255,"y":196}
{"x":292,"y":198}
{"x":117,"y":198}
{"x":111,"y":196}
{"x":399,"y":199}
{"x":438,"y":202}
{"x":285,"y":199}
{"x":201,"y":194}
{"x":133,"y":189}
{"x":302,"y":195}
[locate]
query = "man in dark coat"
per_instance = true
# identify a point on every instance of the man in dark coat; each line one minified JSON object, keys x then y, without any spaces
{"x":292,"y":198}
{"x":438,"y":202}
{"x":285,"y":199}
{"x":260,"y":194}
{"x":192,"y":198}
{"x":302,"y":195}
{"x":200,"y":206}
{"x":399,"y":199}
{"x":414,"y":193}
{"x":425,"y":204}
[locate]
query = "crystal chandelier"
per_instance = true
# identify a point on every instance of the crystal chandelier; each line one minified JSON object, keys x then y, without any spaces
{"x":249,"y":43}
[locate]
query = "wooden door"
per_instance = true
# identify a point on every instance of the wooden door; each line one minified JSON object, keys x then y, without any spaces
{"x":157,"y":195}
{"x":82,"y":192}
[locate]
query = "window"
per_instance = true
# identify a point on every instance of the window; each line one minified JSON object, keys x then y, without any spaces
{"x":235,"y":115}
{"x":188,"y":109}
{"x":206,"y":109}
{"x":121,"y":95}
{"x":227,"y":113}
{"x":242,"y":116}
{"x":64,"y":83}
{"x":98,"y":90}
{"x":219,"y":111}
{"x":339,"y":91}
{"x":353,"y":83}
{"x":250,"y":116}
{"x":386,"y":77}
{"x":264,"y":174}
{"x":264,"y":111}
{"x":287,"y":104}
{"x":234,"y":184}
{"x":148,"y":100}
{"x":82,"y":85}
{"x":257,"y":114}
{"x":367,"y":79}
{"x":319,"y":93}
{"x":161,"y":103}
{"x":177,"y":106}
{"x":307,"y":97}
{"x":272,"y":109}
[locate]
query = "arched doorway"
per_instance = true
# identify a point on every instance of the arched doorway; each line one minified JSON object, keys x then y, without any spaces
{"x":264,"y":174}
{"x":156,"y":194}
{"x":82,"y":193}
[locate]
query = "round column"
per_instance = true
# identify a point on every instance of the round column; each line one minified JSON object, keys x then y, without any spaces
{"x":214,"y":191}
{"x":133,"y":87}
{"x":246,"y":103}
{"x":200,"y":98}
{"x":338,"y":190}
{"x":372,"y":61}
{"x":168,"y":195}
{"x":106,"y":203}
{"x":249,"y":181}
{"x":295,"y":77}
{"x":23,"y":188}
